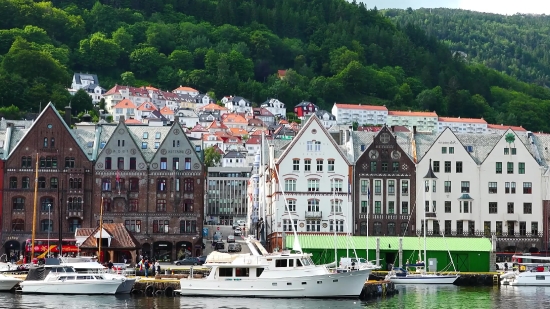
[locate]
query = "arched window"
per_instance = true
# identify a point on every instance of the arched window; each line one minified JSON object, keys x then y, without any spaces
{"x":313,"y":205}
{"x":391,"y":228}
{"x":336,"y":206}
{"x":45,"y":142}
{"x":18,"y":203}
{"x":336,"y":185}
{"x":106,"y":184}
{"x":363,"y":229}
{"x":53,"y":183}
{"x":74,"y":223}
{"x":13,"y":182}
{"x":74,"y":203}
{"x":52,"y":142}
{"x":25,"y":183}
{"x":46,"y":204}
{"x":161,"y":185}
{"x":17,"y":225}
{"x":377,"y":228}
{"x":188,"y":185}
{"x":46,"y":225}
{"x":41,"y":182}
{"x":134,"y":184}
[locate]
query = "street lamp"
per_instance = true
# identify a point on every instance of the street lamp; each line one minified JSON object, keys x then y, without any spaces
{"x":49,"y":227}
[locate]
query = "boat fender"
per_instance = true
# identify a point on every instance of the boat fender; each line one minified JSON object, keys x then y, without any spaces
{"x":169,"y":291}
{"x":123,"y":279}
{"x":159,"y":292}
{"x":149,"y":290}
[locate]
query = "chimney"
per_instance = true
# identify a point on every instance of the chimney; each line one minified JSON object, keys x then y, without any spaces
{"x":68,"y":115}
{"x":393,"y":129}
{"x":176,"y":118}
{"x":121,"y":118}
{"x":414,"y":129}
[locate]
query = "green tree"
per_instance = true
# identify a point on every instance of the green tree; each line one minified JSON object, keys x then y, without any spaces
{"x":99,"y":52}
{"x":147,"y":60}
{"x":81,"y":102}
{"x":211,"y":157}
{"x":128,"y":78}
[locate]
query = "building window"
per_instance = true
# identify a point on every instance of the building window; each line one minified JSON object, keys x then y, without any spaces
{"x":364,"y":207}
{"x":188,"y":226}
{"x":498,"y":167}
{"x":527,"y":208}
{"x":487,"y":228}
{"x":378,"y":187}
{"x":447,"y":186}
{"x":296,"y":164}
{"x":134,"y":184}
{"x":163,"y":163}
{"x":75,"y":183}
{"x":527,"y":188}
{"x":377,"y":228}
{"x":459,"y":167}
{"x":18,"y":225}
{"x":161,"y":205}
{"x":13,"y":182}
{"x":364,"y":187}
{"x":46,"y":225}
{"x":157,"y":145}
{"x":510,"y":167}
{"x":499,"y":228}
{"x":336,"y":185}
{"x":447,"y":166}
{"x":188,"y":185}
{"x":534,"y":228}
{"x":405,"y":187}
{"x":436,"y":166}
{"x":336,"y":206}
{"x":53,"y":183}
{"x":74,"y":204}
{"x":443,"y":150}
{"x":145,"y":135}
{"x":521,"y":167}
{"x":522,"y":228}
{"x":510,"y":207}
{"x":313,"y":185}
{"x":45,"y":142}
{"x":287,"y":227}
{"x":313,"y":205}
{"x":307,"y":165}
{"x":319,"y":165}
{"x":391,"y":187}
{"x":157,"y":135}
{"x":25,"y":183}
{"x":506,"y":151}
{"x":69,"y":162}
{"x":391,"y":207}
{"x":106,"y":184}
{"x":513,"y":187}
{"x":41,"y":182}
{"x":187,"y":163}
{"x":160,"y":226}
{"x":144,"y":145}
{"x":313,"y":225}
{"x":161,"y":185}
{"x":395,"y":167}
{"x":330,"y":165}
{"x":514,"y":151}
{"x":175,"y":163}
{"x":26,"y":162}
{"x":493,"y":207}
{"x":133,"y":225}
{"x":404,"y":208}
{"x":120,"y":163}
{"x":106,"y":204}
{"x":339,"y":226}
{"x":451,"y":150}
{"x":133,"y":205}
{"x":291,"y":204}
{"x":290,"y":185}
{"x":18,"y":203}
{"x":377,"y":207}
{"x":403,"y":228}
{"x":507,"y":187}
{"x":459,"y":227}
{"x":46,"y":204}
{"x":465,"y":186}
{"x":384,"y":167}
{"x":108,"y":163}
{"x":492,"y":187}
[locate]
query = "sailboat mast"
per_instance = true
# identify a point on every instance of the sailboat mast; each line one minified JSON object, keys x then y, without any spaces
{"x":334,"y":223}
{"x":34,"y":209}
{"x":424,"y":223}
{"x":100,"y":230}
{"x":347,"y":217}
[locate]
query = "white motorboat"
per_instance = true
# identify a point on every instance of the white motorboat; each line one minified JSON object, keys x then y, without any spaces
{"x":281,"y":274}
{"x":7,"y":283}
{"x":92,"y":267}
{"x":60,"y":279}
{"x":536,"y":272}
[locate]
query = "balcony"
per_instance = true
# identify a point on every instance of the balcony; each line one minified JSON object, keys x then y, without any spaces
{"x":314,"y":214}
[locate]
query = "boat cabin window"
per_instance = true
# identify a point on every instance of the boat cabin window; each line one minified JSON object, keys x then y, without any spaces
{"x":226,"y":272}
{"x":298,"y":263}
{"x":305,"y":262}
{"x":259,"y":272}
{"x":241,"y":272}
{"x":291,"y":263}
{"x":280,"y":263}
{"x":540,"y":277}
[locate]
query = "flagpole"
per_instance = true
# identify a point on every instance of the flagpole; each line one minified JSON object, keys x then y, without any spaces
{"x":34,"y":209}
{"x":368,"y":208}
{"x":100,"y":230}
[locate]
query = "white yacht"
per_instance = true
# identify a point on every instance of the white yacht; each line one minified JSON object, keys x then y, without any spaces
{"x":58,"y":279}
{"x":263,"y":274}
{"x":7,"y":283}
{"x":535,"y":273}
{"x":399,"y":275}
{"x":92,"y":267}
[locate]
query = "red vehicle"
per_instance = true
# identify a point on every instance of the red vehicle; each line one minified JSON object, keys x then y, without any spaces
{"x":41,"y":246}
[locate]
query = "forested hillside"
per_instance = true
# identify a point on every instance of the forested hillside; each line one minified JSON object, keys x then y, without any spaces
{"x":517,"y":45}
{"x":334,"y":50}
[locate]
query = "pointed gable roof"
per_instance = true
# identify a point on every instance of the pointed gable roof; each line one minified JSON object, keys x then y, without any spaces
{"x":446,"y":133}
{"x":132,"y":121}
{"x":212,"y":107}
{"x":198,"y":128}
{"x":166,"y":111}
{"x":147,"y":106}
{"x":125,"y":104}
{"x":174,"y":131}
{"x":216,"y":125}
{"x":50,"y":108}
{"x":121,"y":238}
{"x":110,"y":132}
{"x":518,"y":140}
{"x":313,"y":121}
{"x":362,"y":140}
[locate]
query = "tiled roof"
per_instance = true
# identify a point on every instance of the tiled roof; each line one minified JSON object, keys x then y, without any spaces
{"x":234,"y":154}
{"x":212,"y":106}
{"x":84,"y":231}
{"x":462,"y":120}
{"x":188,"y":89}
{"x":238,"y":131}
{"x":423,"y":143}
{"x":198,"y":128}
{"x":279,"y":145}
{"x":283,"y":121}
{"x":254,"y":140}
{"x":121,"y":237}
{"x":412,"y":114}
{"x":87,"y":139}
{"x":281,"y":73}
{"x":216,"y":125}
{"x":207,"y":137}
{"x":166,"y":111}
{"x":234,"y":118}
{"x":132,"y":121}
{"x":255,"y":122}
{"x":366,"y":138}
{"x":361,"y":107}
{"x":125,"y":104}
{"x":137,"y":134}
{"x":482,"y":144}
{"x":147,"y":106}
{"x":262,"y":111}
{"x":504,"y":127}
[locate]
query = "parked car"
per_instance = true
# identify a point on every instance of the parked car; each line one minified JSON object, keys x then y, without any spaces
{"x":202,"y":259}
{"x":230,"y":238}
{"x":234,"y":247}
{"x":241,"y":222}
{"x":220,"y":246}
{"x":238,"y":231}
{"x":188,"y":261}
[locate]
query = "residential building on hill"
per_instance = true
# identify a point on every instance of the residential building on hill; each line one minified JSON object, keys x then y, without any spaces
{"x":362,"y":114}
{"x":237,"y":104}
{"x":305,"y":109}
{"x":418,"y":121}
{"x":275,"y":107}
{"x":463,"y":125}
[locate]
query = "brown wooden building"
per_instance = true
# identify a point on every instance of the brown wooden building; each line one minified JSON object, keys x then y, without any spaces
{"x":384,"y":183}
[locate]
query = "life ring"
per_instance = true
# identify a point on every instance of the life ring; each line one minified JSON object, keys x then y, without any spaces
{"x":169,"y":291}
{"x":150,"y":290}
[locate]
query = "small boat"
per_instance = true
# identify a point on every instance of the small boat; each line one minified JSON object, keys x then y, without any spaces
{"x":58,"y":279}
{"x":399,"y":275}
{"x":7,"y":283}
{"x":280,"y":274}
{"x":93,"y":267}
{"x":534,"y":273}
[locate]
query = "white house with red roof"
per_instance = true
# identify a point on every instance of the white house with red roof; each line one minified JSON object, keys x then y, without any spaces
{"x":198,"y":131}
{"x":417,"y":121}
{"x":501,"y":128}
{"x":264,"y":115}
{"x":463,"y":125}
{"x":237,"y":104}
{"x":145,"y":110}
{"x":124,"y":108}
{"x":213,"y":107}
{"x":362,"y":114}
{"x":118,"y":93}
{"x":253,"y":144}
{"x":233,"y":120}
{"x":186,"y":90}
{"x":167,"y":113}
{"x":209,"y":140}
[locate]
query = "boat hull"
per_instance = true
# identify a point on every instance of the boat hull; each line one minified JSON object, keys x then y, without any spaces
{"x":425,"y":279}
{"x":126,"y":286}
{"x":8,"y":283}
{"x":528,"y":279}
{"x":93,"y":287}
{"x":337,"y":285}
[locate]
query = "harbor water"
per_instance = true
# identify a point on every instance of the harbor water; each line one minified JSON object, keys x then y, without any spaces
{"x":409,"y":297}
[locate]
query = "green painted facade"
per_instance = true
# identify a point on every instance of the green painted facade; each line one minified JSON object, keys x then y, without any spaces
{"x":468,"y":254}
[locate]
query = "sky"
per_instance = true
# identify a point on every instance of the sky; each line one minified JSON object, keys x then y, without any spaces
{"x":509,"y":7}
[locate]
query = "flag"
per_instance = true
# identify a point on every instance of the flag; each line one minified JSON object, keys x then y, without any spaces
{"x":368,"y":193}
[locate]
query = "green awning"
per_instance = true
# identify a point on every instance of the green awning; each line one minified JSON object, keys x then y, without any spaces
{"x":465,"y":196}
